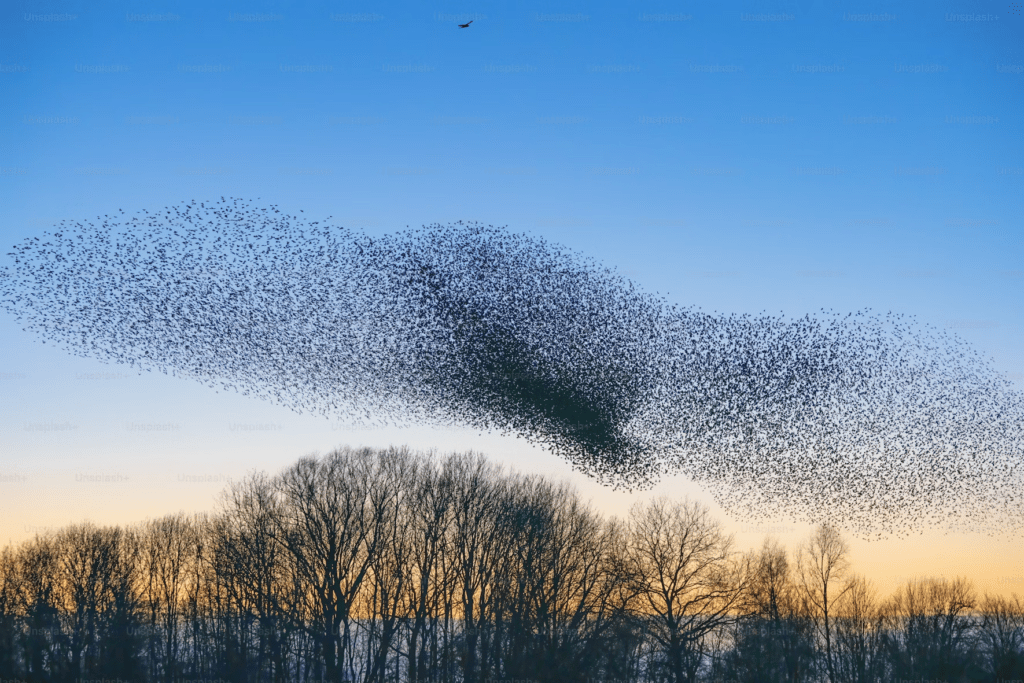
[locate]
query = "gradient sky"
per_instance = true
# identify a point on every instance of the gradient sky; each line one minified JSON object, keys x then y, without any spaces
{"x":781,"y":156}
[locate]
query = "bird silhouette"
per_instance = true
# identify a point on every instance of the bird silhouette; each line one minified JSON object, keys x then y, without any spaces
{"x":466,"y":25}
{"x":874,"y":422}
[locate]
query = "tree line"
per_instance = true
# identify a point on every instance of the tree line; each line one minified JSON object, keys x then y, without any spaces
{"x":389,"y":565}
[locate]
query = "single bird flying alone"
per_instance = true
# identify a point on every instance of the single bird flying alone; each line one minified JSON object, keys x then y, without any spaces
{"x":466,"y":25}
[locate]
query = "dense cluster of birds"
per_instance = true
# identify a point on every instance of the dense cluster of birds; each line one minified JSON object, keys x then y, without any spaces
{"x":873,"y":422}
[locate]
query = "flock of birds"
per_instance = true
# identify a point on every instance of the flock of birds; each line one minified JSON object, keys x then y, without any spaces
{"x":869,"y":421}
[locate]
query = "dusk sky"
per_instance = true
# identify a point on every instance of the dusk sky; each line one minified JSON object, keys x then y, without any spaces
{"x":737,"y":157}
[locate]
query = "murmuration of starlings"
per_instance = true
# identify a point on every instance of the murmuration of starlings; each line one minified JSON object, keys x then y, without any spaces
{"x":873,"y":422}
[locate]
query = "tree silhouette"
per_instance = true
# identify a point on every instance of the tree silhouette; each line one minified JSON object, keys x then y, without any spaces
{"x":387,"y":565}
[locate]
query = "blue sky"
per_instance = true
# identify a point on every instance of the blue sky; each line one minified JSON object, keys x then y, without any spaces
{"x":781,"y":156}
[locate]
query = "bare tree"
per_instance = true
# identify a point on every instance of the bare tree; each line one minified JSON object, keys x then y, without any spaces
{"x":1002,"y":634}
{"x":474,"y":547}
{"x":822,"y":568}
{"x":121,"y":615}
{"x":775,"y":641}
{"x":99,"y":598}
{"x":929,"y":632}
{"x":384,"y":565}
{"x":259,"y":581}
{"x":386,"y":601}
{"x":555,"y":590}
{"x":428,"y":527}
{"x":9,"y":621}
{"x":858,"y":634}
{"x":333,"y":524}
{"x":38,"y":578}
{"x":81,"y":575}
{"x":689,"y":579}
{"x":167,"y":551}
{"x":198,"y":608}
